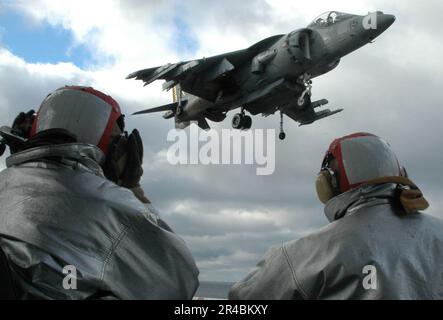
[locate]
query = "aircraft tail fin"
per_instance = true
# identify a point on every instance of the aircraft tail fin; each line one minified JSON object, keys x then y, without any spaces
{"x":174,"y":109}
{"x":171,"y":108}
{"x":166,"y":107}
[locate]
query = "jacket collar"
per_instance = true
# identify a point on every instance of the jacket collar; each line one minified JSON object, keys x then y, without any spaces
{"x":88,"y":155}
{"x":349,"y":202}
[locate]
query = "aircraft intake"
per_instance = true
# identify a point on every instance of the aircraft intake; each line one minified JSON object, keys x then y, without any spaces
{"x":299,"y":45}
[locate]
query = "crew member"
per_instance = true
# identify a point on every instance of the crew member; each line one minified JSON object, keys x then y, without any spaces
{"x":378,"y":245}
{"x":74,"y":221}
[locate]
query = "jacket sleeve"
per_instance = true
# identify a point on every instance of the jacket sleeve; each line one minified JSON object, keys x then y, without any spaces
{"x":272,"y":279}
{"x":149,"y":261}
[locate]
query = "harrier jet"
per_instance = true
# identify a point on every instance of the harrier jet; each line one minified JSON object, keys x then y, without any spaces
{"x":273,"y":75}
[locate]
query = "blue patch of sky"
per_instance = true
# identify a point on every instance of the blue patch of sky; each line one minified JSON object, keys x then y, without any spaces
{"x":40,"y":43}
{"x":184,"y":41}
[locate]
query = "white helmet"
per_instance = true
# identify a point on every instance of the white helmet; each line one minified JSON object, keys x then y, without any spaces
{"x":361,"y":157}
{"x":85,"y":112}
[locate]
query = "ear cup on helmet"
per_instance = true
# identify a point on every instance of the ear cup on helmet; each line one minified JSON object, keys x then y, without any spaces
{"x":326,"y":185}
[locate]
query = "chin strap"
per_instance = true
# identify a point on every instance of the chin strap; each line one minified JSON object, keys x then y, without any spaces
{"x":409,"y":195}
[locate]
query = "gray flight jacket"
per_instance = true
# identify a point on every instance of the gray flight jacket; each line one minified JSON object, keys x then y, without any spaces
{"x":368,"y":251}
{"x":69,"y":233}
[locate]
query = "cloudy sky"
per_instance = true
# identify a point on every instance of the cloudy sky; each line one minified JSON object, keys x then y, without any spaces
{"x":228,"y":215}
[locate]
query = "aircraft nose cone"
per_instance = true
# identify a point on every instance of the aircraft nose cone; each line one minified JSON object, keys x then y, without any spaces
{"x":385,"y":20}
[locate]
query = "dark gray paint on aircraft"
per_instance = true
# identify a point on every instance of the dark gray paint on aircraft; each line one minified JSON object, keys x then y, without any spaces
{"x":273,"y":75}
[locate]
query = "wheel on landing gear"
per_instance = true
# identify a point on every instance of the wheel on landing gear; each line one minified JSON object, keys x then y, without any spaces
{"x":247,"y":123}
{"x":282,"y":136}
{"x":238,"y":121}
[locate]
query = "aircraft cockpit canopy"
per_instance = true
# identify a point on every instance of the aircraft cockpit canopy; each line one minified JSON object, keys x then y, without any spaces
{"x":328,"y":18}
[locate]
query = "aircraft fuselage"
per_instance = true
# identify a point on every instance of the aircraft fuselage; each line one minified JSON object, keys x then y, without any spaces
{"x":313,"y":51}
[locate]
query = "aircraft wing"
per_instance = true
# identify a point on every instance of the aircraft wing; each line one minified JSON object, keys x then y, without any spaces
{"x":207,"y":77}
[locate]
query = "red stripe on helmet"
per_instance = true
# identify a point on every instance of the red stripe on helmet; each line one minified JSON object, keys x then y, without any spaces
{"x":34,"y":125}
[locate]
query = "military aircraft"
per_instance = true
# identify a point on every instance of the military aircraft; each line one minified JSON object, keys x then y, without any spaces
{"x":273,"y":75}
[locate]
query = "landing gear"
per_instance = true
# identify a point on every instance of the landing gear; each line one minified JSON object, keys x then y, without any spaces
{"x":237,"y":121}
{"x":241,"y":121}
{"x":305,"y":97}
{"x":282,"y":135}
{"x":247,"y":123}
{"x":179,"y":109}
